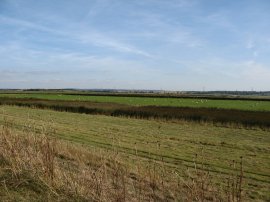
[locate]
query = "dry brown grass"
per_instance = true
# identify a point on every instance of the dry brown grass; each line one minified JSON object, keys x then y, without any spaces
{"x":38,"y":167}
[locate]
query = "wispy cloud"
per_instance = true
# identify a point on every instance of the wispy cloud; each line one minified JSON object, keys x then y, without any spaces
{"x":176,"y":44}
{"x":101,"y":40}
{"x":219,"y":19}
{"x":250,"y":44}
{"x":161,"y":29}
{"x":87,"y":36}
{"x":175,"y":4}
{"x":256,"y":71}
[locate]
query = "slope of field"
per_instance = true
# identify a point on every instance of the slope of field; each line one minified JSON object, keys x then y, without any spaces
{"x":173,"y":144}
{"x":34,"y":166}
{"x":151,"y":101}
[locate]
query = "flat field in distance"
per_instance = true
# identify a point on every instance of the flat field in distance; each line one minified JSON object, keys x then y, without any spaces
{"x":173,"y":144}
{"x":250,"y":105}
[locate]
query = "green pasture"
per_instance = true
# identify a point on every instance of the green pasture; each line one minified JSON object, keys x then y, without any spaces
{"x":175,"y":144}
{"x":150,"y":101}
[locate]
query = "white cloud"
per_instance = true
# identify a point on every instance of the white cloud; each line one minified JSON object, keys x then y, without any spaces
{"x":218,"y":19}
{"x":100,"y":40}
{"x":169,"y":44}
{"x":255,"y":54}
{"x":256,"y":71}
{"x":175,"y":4}
{"x":164,"y":30}
{"x":30,"y":61}
{"x":26,"y":24}
{"x":86,"y":36}
{"x":250,"y":44}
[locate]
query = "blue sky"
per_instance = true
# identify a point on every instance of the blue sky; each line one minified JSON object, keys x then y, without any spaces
{"x":135,"y":44}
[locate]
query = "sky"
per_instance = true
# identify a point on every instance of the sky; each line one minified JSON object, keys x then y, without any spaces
{"x":177,"y":45}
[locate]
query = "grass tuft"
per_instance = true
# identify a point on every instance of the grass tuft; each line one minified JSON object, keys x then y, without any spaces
{"x":39,"y":167}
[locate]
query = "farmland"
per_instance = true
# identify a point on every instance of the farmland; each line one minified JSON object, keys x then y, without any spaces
{"x":134,"y":101}
{"x":249,"y":105}
{"x":175,"y":144}
{"x":221,"y":138}
{"x":249,"y":112}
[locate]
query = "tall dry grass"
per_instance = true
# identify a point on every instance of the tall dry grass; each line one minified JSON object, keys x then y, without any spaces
{"x":36,"y":166}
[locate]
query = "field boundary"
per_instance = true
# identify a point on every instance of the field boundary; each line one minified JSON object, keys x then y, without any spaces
{"x":246,"y":119}
{"x":149,"y":95}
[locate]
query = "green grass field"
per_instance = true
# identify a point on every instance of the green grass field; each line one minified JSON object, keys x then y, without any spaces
{"x":175,"y":143}
{"x":148,"y":101}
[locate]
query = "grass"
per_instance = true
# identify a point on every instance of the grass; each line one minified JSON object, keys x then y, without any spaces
{"x":248,"y":119}
{"x":174,"y":145}
{"x":150,"y":101}
{"x":34,"y":166}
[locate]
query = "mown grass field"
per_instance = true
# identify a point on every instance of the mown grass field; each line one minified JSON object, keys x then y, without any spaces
{"x":250,"y":105}
{"x":175,"y":144}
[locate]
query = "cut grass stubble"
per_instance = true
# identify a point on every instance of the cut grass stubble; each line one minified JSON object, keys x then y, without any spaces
{"x":172,"y":145}
{"x":40,"y":167}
